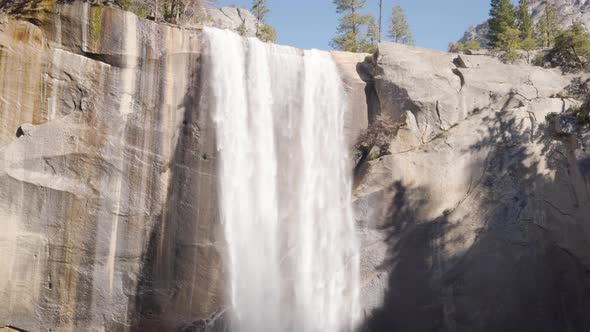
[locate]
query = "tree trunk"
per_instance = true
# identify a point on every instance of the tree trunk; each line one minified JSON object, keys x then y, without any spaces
{"x":156,"y":11}
{"x":380,"y":18}
{"x":258,"y":14}
{"x":353,"y":19}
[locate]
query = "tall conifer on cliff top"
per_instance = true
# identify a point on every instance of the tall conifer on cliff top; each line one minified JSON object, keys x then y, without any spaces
{"x":351,"y":25}
{"x":502,"y":18}
{"x":525,"y":22}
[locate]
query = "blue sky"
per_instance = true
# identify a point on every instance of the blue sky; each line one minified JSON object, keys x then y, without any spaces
{"x":312,"y":23}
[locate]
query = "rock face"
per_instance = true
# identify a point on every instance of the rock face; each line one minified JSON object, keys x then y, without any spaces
{"x":102,"y":205}
{"x":108,"y":184}
{"x":477,"y":33}
{"x":476,"y":220}
{"x":232,"y":18}
{"x":570,"y":11}
{"x":479,"y":219}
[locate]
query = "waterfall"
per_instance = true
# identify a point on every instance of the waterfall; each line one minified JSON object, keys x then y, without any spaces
{"x":284,"y":185}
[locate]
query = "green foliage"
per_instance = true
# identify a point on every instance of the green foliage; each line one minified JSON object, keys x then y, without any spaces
{"x":399,"y":29}
{"x":456,"y":47}
{"x":583,"y":113}
{"x":572,"y":48}
{"x":260,"y":11}
{"x":473,"y":45}
{"x":264,"y":32}
{"x":138,"y":8}
{"x":380,"y":26}
{"x":165,"y":11}
{"x":539,"y":59}
{"x":525,"y":22}
{"x":350,"y":36}
{"x":346,"y":41}
{"x":375,"y":141}
{"x":502,"y":17}
{"x":369,"y":43}
{"x":178,"y":11}
{"x":548,"y":26}
{"x":510,"y":56}
{"x":526,"y":29}
{"x":242,"y":29}
{"x":267,"y":33}
{"x":528,"y":44}
{"x":509,"y":40}
{"x":95,"y":24}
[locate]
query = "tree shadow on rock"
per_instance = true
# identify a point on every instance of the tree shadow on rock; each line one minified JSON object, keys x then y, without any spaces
{"x":180,"y":286}
{"x":497,"y":261}
{"x":411,"y":263}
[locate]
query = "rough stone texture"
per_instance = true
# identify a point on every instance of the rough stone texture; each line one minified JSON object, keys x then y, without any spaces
{"x":477,"y":33}
{"x":107,"y":199}
{"x":441,"y":89}
{"x":570,"y":11}
{"x":108,"y":202}
{"x":357,"y":118}
{"x":232,"y":18}
{"x":482,"y":223}
{"x":478,"y":220}
{"x":194,"y":16}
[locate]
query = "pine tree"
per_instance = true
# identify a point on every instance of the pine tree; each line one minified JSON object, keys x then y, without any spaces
{"x":259,"y":10}
{"x":264,"y":32}
{"x":548,"y":26}
{"x":525,"y":27}
{"x":399,"y":29}
{"x":267,"y":33}
{"x":369,"y":44}
{"x":525,"y":22}
{"x":502,"y":17}
{"x":572,"y":48}
{"x":351,"y":25}
{"x":509,"y":42}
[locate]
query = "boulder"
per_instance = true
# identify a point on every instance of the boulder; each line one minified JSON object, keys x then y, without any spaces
{"x":231,"y":18}
{"x":441,"y":89}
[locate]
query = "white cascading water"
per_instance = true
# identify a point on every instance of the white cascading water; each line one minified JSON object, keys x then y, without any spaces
{"x":285,"y":185}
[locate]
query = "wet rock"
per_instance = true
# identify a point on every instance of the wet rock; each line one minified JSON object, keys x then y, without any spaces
{"x":108,"y":199}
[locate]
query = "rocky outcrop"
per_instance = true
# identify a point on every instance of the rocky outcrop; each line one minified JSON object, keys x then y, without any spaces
{"x":477,"y":33}
{"x":194,"y":14}
{"x":232,"y":18}
{"x":477,"y":220}
{"x":570,"y":11}
{"x":108,"y":185}
{"x":434,"y":91}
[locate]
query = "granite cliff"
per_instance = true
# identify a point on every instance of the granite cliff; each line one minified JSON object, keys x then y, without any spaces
{"x":478,"y":216}
{"x":108,"y":187}
{"x":475,"y":216}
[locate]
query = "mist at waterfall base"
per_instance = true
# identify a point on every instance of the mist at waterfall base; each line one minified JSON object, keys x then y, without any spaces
{"x":284,"y":185}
